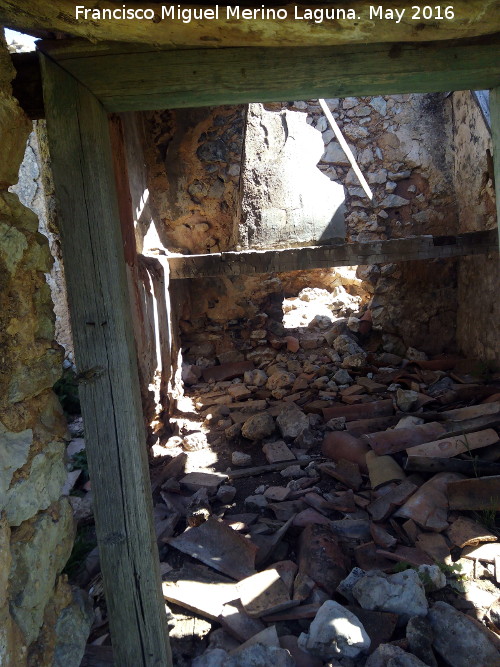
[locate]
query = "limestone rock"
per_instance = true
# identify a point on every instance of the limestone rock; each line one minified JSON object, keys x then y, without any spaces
{"x":256,"y":502}
{"x":432,"y":577}
{"x":420,"y":636}
{"x":256,"y":378}
{"x":258,"y":655}
{"x":72,"y":630}
{"x":342,"y":377}
{"x":280,"y":380}
{"x":335,"y":632}
{"x":388,"y":655}
{"x":41,"y":487}
{"x":406,"y":399}
{"x":458,"y":640}
{"x":14,"y":450}
{"x":292,"y":421}
{"x":241,"y":459}
{"x":40,"y":549}
{"x":346,"y":345}
{"x":401,"y":593}
{"x":194,"y":441}
{"x":258,"y":426}
{"x":15,"y":127}
{"x":226,"y":493}
{"x":30,"y":379}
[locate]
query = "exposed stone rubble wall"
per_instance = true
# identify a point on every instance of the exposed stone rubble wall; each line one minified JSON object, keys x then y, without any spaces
{"x":194,"y":161}
{"x":403,"y":146}
{"x":36,"y":523}
{"x":478,"y":277}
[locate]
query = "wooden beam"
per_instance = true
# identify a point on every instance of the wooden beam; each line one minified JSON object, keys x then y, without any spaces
{"x":251,"y":262}
{"x":109,"y":387}
{"x":125,"y":80}
{"x":360,"y":25}
{"x":495,"y":136}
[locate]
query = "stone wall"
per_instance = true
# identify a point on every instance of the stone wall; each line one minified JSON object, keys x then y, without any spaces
{"x":478,"y":277}
{"x":403,"y":144}
{"x":36,"y":523}
{"x":194,"y":162}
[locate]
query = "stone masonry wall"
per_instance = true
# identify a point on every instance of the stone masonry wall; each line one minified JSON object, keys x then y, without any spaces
{"x":194,"y":161}
{"x":403,"y":144}
{"x":478,"y":277}
{"x":36,"y":523}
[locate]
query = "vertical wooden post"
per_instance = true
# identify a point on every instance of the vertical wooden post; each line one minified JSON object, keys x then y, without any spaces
{"x":92,"y":245}
{"x":495,"y":134}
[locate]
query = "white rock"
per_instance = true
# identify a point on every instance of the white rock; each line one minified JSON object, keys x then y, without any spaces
{"x":194,"y":441}
{"x":406,"y":399}
{"x":401,"y":593}
{"x":409,"y":421}
{"x":256,"y":378}
{"x":345,"y":586}
{"x":335,"y":632}
{"x":241,"y":459}
{"x":432,"y":577}
{"x":292,"y":422}
{"x":342,"y":377}
{"x":415,"y":355}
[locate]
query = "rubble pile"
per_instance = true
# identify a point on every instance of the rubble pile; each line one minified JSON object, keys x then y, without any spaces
{"x":326,"y":502}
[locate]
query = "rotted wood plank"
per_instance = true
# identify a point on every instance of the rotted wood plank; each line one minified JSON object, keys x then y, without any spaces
{"x":251,"y":262}
{"x":470,"y":18}
{"x":92,"y":246}
{"x":131,"y":81}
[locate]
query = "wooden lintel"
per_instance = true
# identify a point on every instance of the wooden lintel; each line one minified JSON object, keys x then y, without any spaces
{"x":251,"y":262}
{"x":359,"y":21}
{"x":99,"y":306}
{"x":126,"y":78}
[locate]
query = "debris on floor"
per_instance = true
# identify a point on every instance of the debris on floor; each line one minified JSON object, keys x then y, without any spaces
{"x":326,"y":502}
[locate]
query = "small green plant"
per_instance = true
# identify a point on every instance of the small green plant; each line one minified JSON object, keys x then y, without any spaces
{"x":488,"y":517}
{"x":85,"y":541}
{"x":402,"y":566}
{"x":66,"y":389}
{"x":79,"y":462}
{"x":451,"y":571}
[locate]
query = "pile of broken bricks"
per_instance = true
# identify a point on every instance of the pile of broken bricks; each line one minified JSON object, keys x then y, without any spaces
{"x":353,"y":547}
{"x":350,"y":516}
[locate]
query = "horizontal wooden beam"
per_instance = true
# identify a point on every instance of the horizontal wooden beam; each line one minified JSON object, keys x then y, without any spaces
{"x":362,"y":23}
{"x":125,"y":80}
{"x":251,"y":262}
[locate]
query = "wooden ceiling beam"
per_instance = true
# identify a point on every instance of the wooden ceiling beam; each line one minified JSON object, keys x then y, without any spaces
{"x":124,"y":78}
{"x":252,"y":262}
{"x":471,"y":18}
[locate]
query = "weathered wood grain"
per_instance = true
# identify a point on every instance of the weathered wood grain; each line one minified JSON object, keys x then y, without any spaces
{"x":495,"y":137}
{"x":250,"y":262}
{"x":472,"y":18}
{"x":130,"y":81}
{"x":106,"y":359}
